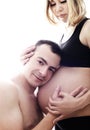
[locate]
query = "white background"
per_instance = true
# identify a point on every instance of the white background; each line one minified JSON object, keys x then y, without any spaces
{"x":22,"y":23}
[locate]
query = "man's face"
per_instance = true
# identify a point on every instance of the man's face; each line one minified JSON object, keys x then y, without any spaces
{"x":42,"y":66}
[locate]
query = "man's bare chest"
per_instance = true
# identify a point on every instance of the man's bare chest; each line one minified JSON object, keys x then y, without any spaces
{"x":31,"y":113}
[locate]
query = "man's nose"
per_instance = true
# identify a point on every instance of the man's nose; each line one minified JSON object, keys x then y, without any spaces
{"x":44,"y":71}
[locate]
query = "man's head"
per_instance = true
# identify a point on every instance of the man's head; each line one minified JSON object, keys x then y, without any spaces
{"x":43,"y":64}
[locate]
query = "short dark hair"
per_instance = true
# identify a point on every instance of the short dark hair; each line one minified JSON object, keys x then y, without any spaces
{"x":53,"y":45}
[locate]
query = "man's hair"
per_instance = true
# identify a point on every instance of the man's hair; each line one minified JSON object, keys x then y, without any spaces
{"x":53,"y":45}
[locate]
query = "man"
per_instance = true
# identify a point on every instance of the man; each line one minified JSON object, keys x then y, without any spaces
{"x":18,"y":105}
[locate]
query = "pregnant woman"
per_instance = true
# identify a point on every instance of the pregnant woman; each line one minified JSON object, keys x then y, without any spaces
{"x":75,"y":64}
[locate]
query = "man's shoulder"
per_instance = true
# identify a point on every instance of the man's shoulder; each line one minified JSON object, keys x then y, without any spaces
{"x":8,"y":89}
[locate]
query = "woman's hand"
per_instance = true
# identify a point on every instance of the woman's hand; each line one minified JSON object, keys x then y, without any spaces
{"x":26,"y":54}
{"x":63,"y":104}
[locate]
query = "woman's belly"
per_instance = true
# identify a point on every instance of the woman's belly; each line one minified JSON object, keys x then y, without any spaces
{"x":68,"y":79}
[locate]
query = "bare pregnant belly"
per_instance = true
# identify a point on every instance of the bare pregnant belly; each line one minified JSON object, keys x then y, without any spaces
{"x":68,"y":79}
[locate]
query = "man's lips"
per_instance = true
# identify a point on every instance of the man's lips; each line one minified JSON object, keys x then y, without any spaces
{"x":38,"y":77}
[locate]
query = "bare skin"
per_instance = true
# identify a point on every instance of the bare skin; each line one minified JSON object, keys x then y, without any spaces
{"x":19,"y":109}
{"x":50,"y":119}
{"x":68,"y":78}
{"x":46,"y":123}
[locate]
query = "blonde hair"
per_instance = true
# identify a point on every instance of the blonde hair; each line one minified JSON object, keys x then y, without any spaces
{"x":77,"y":11}
{"x":49,"y":14}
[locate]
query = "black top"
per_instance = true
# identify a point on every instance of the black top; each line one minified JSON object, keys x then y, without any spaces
{"x":74,"y":53}
{"x":75,"y":123}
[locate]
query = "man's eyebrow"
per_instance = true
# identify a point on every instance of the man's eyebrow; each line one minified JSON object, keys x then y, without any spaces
{"x":43,"y":60}
{"x":55,"y":68}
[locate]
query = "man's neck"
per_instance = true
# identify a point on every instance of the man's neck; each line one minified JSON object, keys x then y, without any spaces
{"x":21,"y":81}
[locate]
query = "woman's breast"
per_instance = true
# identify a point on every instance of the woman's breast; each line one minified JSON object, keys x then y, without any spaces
{"x":68,"y":79}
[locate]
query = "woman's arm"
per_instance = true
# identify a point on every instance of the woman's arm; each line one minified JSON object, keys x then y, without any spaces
{"x":46,"y":123}
{"x":64,"y":104}
{"x":26,"y":54}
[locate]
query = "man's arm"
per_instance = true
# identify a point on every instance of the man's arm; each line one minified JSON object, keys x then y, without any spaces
{"x":10,"y":115}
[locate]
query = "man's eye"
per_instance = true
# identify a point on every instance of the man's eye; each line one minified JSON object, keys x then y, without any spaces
{"x":40,"y":62}
{"x":52,"y":70}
